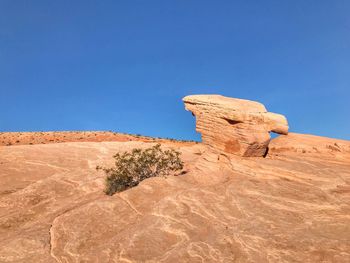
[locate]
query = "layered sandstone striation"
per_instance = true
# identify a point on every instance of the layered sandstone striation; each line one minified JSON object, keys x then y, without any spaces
{"x":234,"y":126}
{"x":292,"y":206}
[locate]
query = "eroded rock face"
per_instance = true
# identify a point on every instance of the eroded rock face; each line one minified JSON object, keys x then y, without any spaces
{"x":234,"y":126}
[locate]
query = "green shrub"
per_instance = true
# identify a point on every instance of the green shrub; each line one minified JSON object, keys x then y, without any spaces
{"x":133,"y":167}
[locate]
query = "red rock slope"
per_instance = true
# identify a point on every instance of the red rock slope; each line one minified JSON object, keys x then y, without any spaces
{"x":292,"y":206}
{"x":24,"y":138}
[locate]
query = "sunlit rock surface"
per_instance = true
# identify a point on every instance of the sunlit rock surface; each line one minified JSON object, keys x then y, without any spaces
{"x":234,"y":126}
{"x":24,"y":138}
{"x":292,"y":206}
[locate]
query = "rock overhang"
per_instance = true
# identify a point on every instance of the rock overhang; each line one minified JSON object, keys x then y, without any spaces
{"x":234,"y":126}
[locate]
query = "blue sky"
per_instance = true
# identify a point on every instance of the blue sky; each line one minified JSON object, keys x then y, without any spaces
{"x":125,"y":65}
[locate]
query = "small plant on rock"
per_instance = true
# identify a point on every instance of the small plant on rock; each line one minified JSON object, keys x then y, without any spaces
{"x":133,"y":167}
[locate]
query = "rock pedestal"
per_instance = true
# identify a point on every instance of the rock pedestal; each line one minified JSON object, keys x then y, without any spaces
{"x":234,"y":126}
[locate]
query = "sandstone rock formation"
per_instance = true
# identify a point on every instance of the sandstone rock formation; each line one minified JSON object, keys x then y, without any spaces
{"x":288,"y":207}
{"x":292,"y":206}
{"x":234,"y":126}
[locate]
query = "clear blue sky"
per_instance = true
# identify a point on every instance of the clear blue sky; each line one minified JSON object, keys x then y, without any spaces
{"x":125,"y":65}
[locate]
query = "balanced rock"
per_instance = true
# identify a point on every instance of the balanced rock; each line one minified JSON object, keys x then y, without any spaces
{"x":234,"y":126}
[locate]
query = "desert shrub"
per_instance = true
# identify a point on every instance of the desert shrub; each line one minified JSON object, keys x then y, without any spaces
{"x":133,"y":167}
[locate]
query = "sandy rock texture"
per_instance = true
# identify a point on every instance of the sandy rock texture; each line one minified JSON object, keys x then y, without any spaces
{"x":310,"y":145}
{"x":30,"y":138}
{"x":234,"y":126}
{"x":288,"y":207}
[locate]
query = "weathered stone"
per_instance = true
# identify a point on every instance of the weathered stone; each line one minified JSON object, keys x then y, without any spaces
{"x":234,"y":126}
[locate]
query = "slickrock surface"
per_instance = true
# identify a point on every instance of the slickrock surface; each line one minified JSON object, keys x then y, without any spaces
{"x":303,"y":144}
{"x":288,"y":207}
{"x":234,"y":126}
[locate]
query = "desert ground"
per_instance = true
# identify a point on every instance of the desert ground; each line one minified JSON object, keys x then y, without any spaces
{"x":25,"y":138}
{"x":291,"y":206}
